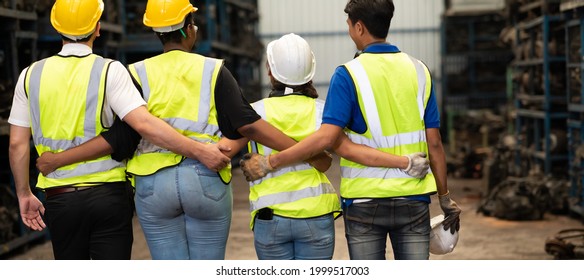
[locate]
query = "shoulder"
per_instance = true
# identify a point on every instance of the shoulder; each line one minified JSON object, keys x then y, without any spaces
{"x":116,"y":65}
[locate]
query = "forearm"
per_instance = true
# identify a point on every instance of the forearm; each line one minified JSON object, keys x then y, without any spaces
{"x":321,"y":162}
{"x":235,"y":145}
{"x":366,"y":155}
{"x":266,"y":134}
{"x":162,"y":134}
{"x":95,"y":148}
{"x":437,"y":160}
{"x":322,"y":139}
{"x":19,"y":158}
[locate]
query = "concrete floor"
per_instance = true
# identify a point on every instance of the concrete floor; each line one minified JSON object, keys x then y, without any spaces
{"x":481,"y":237}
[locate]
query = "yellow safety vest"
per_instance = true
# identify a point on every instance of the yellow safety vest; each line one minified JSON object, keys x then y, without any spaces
{"x":393,"y":107}
{"x":297,"y":191}
{"x":78,"y":85}
{"x":179,"y":89}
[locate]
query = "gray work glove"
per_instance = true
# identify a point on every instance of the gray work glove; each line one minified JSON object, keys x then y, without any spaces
{"x":255,"y":166}
{"x":451,"y":213}
{"x":418,"y":165}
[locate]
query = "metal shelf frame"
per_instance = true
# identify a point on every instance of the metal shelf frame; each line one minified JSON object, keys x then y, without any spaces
{"x":474,"y":67}
{"x":540,"y":107}
{"x":574,"y":32}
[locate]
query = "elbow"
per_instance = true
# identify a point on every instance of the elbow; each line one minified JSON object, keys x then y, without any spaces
{"x":247,"y":130}
{"x":144,"y":128}
{"x":434,"y":145}
{"x":434,"y":140}
{"x":328,"y":143}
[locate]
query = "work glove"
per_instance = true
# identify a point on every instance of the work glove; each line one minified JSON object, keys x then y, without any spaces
{"x":255,"y":166}
{"x":451,"y":213}
{"x":418,"y":165}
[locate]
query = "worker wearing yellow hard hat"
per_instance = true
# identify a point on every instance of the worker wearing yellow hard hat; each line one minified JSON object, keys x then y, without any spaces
{"x":62,"y":102}
{"x":184,"y":205}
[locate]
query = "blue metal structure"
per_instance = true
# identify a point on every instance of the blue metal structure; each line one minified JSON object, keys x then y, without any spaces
{"x":574,"y":27}
{"x":539,"y":97}
{"x":473,"y":67}
{"x":18,"y":48}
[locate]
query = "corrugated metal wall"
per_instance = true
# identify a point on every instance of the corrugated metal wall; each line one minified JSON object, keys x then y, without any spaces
{"x":415,"y":29}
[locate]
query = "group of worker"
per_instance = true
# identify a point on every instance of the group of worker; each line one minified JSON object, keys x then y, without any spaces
{"x":158,"y":136}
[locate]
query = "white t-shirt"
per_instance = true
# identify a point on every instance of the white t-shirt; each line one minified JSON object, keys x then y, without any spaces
{"x":121,"y":95}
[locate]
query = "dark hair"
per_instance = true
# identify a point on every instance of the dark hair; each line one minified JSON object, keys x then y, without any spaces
{"x":306,"y":89}
{"x":175,"y":36}
{"x":376,"y":15}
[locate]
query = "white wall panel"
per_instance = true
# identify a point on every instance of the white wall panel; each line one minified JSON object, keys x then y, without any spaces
{"x":415,"y":30}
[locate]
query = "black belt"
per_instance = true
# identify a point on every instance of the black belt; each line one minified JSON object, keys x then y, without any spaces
{"x":60,"y":190}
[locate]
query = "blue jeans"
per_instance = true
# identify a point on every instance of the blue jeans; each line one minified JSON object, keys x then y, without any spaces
{"x":407,"y":222}
{"x":295,"y":239}
{"x":185,"y":212}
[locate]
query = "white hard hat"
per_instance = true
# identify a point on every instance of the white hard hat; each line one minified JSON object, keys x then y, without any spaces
{"x":441,"y":241}
{"x":290,"y":59}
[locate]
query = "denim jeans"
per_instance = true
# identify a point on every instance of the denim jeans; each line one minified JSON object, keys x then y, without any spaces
{"x":295,"y":239}
{"x":407,"y":222}
{"x":185,"y":212}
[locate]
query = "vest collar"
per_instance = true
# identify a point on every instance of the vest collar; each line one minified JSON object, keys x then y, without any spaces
{"x":75,"y":49}
{"x":381,"y":48}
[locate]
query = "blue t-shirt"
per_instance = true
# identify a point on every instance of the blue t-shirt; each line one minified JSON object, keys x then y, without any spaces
{"x":342,"y":109}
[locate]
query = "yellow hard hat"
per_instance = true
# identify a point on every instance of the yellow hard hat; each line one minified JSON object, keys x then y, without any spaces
{"x":76,"y":18}
{"x":167,"y":15}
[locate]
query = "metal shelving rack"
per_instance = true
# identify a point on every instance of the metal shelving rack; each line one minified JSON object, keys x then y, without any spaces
{"x":574,"y":12}
{"x":18,"y":48}
{"x":474,"y":66}
{"x":538,"y":91}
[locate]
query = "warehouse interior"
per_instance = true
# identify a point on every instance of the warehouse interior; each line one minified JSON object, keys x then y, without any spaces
{"x":509,"y":78}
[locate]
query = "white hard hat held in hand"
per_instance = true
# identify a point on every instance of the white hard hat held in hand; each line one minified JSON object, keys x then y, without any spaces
{"x":441,"y":241}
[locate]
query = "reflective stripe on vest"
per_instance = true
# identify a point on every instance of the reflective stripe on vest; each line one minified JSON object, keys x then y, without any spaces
{"x":398,"y":134}
{"x":97,"y":171}
{"x":156,"y":80}
{"x":297,"y":191}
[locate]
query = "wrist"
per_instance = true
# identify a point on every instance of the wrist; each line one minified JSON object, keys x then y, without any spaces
{"x":274,"y":161}
{"x":406,"y":163}
{"x":270,"y":166}
{"x":196,"y":150}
